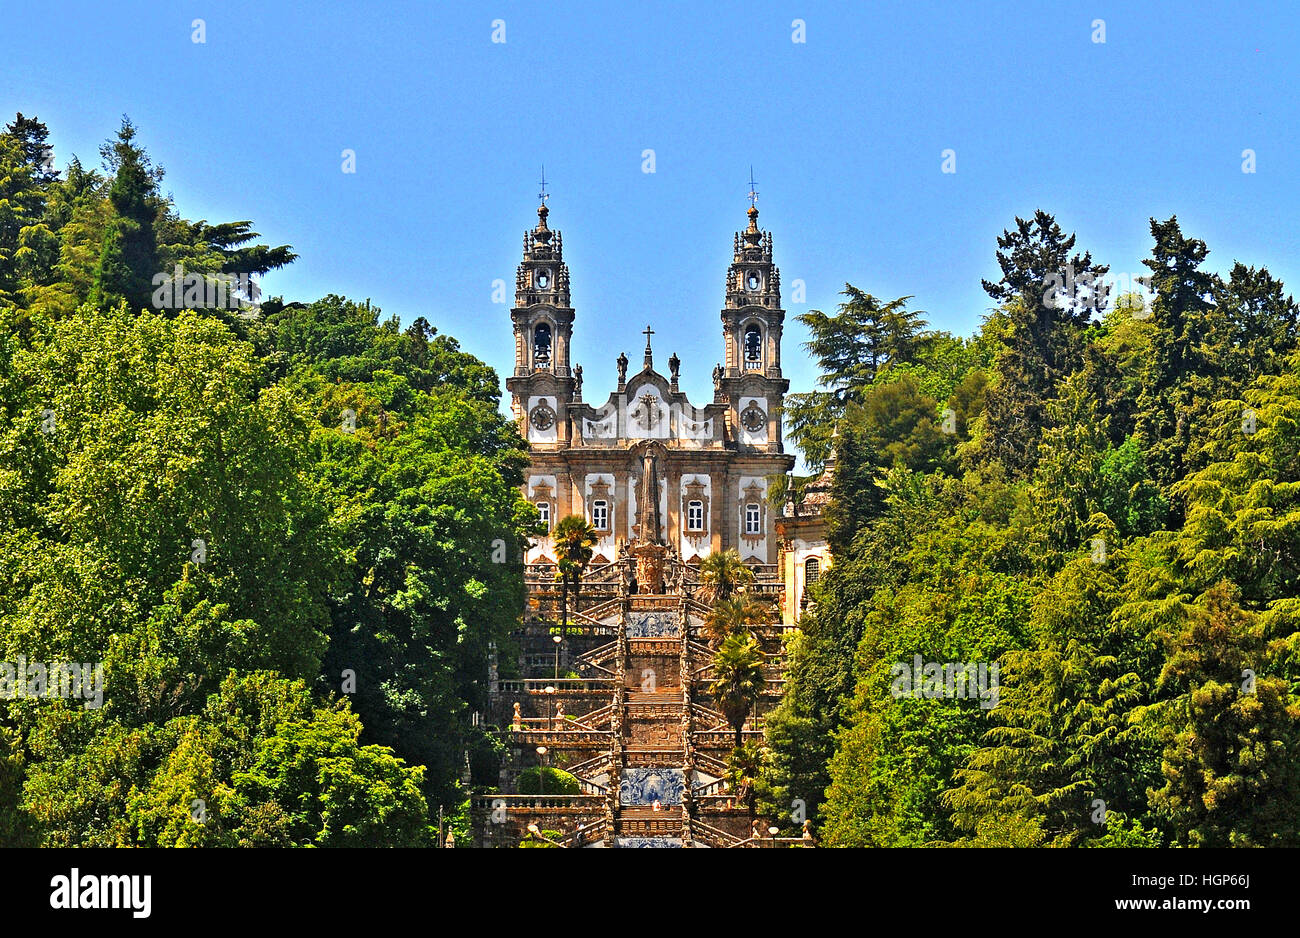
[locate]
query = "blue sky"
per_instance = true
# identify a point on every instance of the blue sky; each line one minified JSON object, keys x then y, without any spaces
{"x":845,"y":133}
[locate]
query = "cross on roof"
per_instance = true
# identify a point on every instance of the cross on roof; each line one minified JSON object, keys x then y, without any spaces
{"x":543,"y":195}
{"x":647,"y":333}
{"x":753,"y":193}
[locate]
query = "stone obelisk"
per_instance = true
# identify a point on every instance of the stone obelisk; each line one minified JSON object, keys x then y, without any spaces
{"x":647,"y":549}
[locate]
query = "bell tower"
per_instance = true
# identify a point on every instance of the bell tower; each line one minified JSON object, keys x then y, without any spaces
{"x":752,"y":320}
{"x":542,"y":386}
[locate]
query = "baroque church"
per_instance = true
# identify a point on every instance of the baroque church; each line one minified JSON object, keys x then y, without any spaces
{"x":695,"y":476}
{"x":610,"y":685}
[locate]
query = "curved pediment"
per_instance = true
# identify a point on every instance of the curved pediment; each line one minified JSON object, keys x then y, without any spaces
{"x":648,"y":377}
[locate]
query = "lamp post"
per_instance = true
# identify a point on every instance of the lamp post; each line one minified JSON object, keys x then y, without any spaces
{"x":557,"y":639}
{"x":773,"y":831}
{"x":541,"y":775}
{"x":549,"y":691}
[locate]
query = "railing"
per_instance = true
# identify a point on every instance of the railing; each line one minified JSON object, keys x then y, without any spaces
{"x":657,"y":645}
{"x":606,"y":607}
{"x":640,"y":758}
{"x":710,"y":764}
{"x":556,"y":804}
{"x":724,"y":739}
{"x":588,"y":766}
{"x":565,"y":685}
{"x":560,"y":739}
{"x":587,"y":833}
{"x":588,"y":720}
{"x":714,"y":787}
{"x":715,"y":719}
{"x":592,"y":788}
{"x":717,"y":803}
{"x":713,"y":834}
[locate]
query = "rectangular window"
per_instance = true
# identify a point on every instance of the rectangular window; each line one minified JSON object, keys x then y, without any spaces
{"x":544,"y":509}
{"x":752,"y":519}
{"x":600,"y":515}
{"x":695,"y":516}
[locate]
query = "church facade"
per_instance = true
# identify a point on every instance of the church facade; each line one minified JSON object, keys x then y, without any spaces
{"x":709,"y":464}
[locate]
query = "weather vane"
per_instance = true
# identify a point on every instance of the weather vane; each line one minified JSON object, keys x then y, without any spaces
{"x":753,"y":193}
{"x":543,"y":195}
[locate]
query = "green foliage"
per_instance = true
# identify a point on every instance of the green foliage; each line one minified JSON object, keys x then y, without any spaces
{"x":1115,"y":525}
{"x":574,"y":539}
{"x":740,"y":613}
{"x":539,"y":780}
{"x":737,"y":679}
{"x":722,"y":575}
{"x":852,"y":347}
{"x":239,"y":518}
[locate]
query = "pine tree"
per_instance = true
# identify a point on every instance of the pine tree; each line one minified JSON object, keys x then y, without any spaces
{"x":1179,"y":380}
{"x":33,"y":137}
{"x":128,"y":259}
{"x":855,"y":496}
{"x":1232,"y":735}
{"x":852,"y":348}
{"x":1047,"y":296}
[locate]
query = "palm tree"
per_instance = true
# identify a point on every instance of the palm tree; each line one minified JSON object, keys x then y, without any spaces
{"x":739,"y":613}
{"x":574,"y":540}
{"x":743,"y":770}
{"x":737,"y":679}
{"x":723,"y":575}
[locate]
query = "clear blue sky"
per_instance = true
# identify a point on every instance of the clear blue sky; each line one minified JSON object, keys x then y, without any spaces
{"x":844,"y":133}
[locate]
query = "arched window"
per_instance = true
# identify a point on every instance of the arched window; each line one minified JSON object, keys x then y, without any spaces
{"x":544,"y":509}
{"x":695,"y":516}
{"x":753,"y":347}
{"x":542,"y":345}
{"x":812,"y":571}
{"x":600,"y":514}
{"x":753,"y":520}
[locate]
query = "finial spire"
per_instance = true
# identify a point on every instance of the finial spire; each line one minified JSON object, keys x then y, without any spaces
{"x":544,"y":195}
{"x":753,"y":192}
{"x":649,"y":356}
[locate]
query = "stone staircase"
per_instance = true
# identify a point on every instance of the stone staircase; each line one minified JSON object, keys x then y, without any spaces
{"x":650,"y":757}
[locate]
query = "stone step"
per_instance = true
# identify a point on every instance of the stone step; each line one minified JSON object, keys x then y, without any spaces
{"x":664,"y":695}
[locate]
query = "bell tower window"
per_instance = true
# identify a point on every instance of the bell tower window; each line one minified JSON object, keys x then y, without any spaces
{"x":542,"y":345}
{"x":753,"y":348}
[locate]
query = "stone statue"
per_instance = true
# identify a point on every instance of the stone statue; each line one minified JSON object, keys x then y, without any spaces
{"x":516,"y":725}
{"x":674,"y":366}
{"x":622,"y":368}
{"x":807,"y":830}
{"x":717,"y":377}
{"x":577,"y":381}
{"x":559,"y":714}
